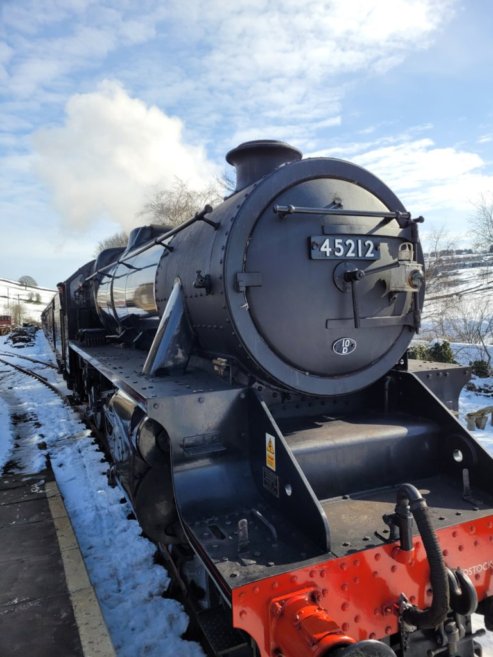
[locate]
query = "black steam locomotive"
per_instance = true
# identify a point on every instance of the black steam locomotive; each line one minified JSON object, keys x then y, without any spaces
{"x":247,"y":370}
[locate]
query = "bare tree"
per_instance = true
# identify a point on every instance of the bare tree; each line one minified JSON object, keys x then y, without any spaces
{"x":17,"y":312}
{"x":116,"y":240}
{"x":482,"y":222}
{"x":465,"y":318}
{"x":179,"y":203}
{"x":227,"y":183}
{"x":28,"y":281}
{"x":170,"y":207}
{"x":438,"y":245}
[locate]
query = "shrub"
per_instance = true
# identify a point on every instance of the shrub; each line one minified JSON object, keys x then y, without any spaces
{"x":419,"y":352}
{"x":440,"y":352}
{"x":480,"y":368}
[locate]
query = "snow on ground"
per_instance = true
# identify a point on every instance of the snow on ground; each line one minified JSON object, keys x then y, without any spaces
{"x":128,"y":584}
{"x":470,"y":401}
{"x":465,"y":353}
{"x":120,"y":561}
{"x":457,"y":302}
{"x":6,"y":438}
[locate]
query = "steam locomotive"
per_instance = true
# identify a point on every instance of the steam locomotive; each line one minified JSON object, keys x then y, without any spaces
{"x":248,"y":372}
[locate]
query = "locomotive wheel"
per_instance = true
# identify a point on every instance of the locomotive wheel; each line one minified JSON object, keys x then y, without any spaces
{"x":95,"y":407}
{"x":369,"y":648}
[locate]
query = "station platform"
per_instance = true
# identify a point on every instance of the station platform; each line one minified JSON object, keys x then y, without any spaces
{"x":48,"y":607}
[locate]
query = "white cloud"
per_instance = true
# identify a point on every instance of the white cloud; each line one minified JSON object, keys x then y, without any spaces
{"x":53,"y":41}
{"x":231,"y":71}
{"x":443,"y":182}
{"x":6,"y":54}
{"x":312,"y":40}
{"x":485,"y":139}
{"x":110,"y":152}
{"x":413,"y":164}
{"x":258,"y":62}
{"x":261,"y":58}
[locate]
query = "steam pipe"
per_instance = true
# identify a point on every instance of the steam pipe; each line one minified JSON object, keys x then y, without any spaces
{"x":437,"y":612}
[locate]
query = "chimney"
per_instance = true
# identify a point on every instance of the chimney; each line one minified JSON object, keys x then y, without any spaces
{"x":255,"y":159}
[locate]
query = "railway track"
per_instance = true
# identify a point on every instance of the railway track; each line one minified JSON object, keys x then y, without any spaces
{"x":39,"y":377}
{"x":33,"y":360}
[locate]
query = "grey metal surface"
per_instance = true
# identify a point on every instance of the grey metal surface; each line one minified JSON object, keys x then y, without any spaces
{"x":355,"y":519}
{"x":253,"y":293}
{"x":445,"y":380}
{"x":341,"y":455}
{"x":278,"y":249}
{"x":217,"y":627}
{"x":123,"y":368}
{"x":267,"y":553}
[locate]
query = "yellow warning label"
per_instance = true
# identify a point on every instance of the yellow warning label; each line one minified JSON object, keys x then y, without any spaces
{"x":270,"y":451}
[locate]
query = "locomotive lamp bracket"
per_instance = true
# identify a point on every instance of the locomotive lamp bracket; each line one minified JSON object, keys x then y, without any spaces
{"x":408,"y":276}
{"x":203,"y":281}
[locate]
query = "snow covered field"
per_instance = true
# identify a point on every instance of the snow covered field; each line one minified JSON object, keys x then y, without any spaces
{"x":129,"y":585}
{"x":458,"y":306}
{"x":31,"y":300}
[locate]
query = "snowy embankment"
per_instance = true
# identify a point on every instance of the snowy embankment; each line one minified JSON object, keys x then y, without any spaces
{"x":129,"y":585}
{"x":23,"y":302}
{"x":120,"y":561}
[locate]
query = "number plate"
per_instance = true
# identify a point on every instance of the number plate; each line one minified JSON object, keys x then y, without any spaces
{"x":343,"y":247}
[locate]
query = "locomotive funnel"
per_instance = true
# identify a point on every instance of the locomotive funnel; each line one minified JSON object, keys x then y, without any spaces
{"x":254,"y":159}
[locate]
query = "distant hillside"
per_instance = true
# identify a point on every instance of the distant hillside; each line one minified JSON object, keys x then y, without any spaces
{"x":23,"y":302}
{"x":459,"y":300}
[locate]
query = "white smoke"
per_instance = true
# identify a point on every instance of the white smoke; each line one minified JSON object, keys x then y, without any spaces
{"x":112,"y":151}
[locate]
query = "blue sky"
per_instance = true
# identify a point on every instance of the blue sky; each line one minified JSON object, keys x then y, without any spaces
{"x":102,"y":102}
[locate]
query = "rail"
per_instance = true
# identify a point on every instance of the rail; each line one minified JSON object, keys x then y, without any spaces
{"x":33,"y":360}
{"x":42,"y":379}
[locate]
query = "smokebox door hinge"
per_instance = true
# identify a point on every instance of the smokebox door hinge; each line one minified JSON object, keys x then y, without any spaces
{"x":246,"y":279}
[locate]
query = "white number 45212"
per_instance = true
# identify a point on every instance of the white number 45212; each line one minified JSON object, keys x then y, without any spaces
{"x":340,"y":247}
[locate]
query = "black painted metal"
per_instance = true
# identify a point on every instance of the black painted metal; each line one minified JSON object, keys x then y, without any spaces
{"x":264,"y":287}
{"x":443,"y":379}
{"x":255,"y":159}
{"x":257,"y":288}
{"x":362,"y":451}
{"x":218,"y":446}
{"x":267,"y":429}
{"x":283,"y":210}
{"x":368,"y":648}
{"x":172,"y":344}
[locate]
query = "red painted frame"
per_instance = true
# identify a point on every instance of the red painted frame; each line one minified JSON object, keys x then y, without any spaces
{"x":360,"y":592}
